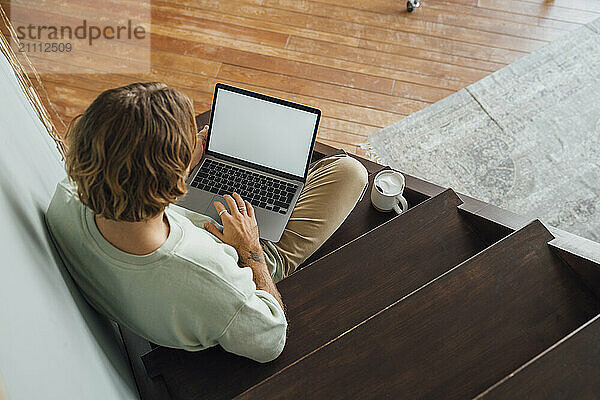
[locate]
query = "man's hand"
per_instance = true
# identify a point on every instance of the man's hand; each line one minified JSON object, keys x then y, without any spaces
{"x":200,"y":147}
{"x":240,"y":231}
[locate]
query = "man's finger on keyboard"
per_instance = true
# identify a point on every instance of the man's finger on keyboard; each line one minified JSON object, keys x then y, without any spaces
{"x":239,"y":202}
{"x":249,"y":208}
{"x":221,"y":210}
{"x":233,"y":208}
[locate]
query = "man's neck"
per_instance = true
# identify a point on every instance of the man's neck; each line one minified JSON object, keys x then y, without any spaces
{"x":138,"y":238}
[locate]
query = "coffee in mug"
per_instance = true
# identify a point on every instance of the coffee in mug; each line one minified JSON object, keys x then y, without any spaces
{"x":387,"y":190}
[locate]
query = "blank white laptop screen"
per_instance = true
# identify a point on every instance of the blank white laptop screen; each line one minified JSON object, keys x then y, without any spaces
{"x":262,"y":132}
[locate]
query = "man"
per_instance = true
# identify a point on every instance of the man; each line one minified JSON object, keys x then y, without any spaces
{"x":173,"y":276}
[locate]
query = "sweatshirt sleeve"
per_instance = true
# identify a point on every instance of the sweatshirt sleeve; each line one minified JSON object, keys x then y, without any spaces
{"x":257,"y":330}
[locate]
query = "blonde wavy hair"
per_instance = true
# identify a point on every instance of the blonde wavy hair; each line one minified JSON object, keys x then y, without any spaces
{"x":129,"y":152}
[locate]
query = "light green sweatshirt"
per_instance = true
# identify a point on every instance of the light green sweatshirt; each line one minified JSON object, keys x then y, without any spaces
{"x":189,"y":294}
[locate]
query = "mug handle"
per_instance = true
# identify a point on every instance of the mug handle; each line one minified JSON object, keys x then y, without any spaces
{"x":401,"y":202}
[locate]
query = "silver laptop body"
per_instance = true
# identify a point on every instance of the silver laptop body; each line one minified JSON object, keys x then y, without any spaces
{"x":258,"y":146}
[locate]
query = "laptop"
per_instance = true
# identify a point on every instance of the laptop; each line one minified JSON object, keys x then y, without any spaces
{"x":258,"y":146}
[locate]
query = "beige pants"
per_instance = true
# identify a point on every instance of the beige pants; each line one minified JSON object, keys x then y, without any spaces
{"x":333,"y":187}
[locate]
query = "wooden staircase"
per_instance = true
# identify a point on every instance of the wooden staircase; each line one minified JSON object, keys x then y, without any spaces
{"x":452,"y":299}
{"x":568,"y":369}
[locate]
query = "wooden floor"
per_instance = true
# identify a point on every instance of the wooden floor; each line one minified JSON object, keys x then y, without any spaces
{"x":366,"y":64}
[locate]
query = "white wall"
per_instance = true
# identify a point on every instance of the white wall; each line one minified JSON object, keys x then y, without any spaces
{"x":52,"y":345}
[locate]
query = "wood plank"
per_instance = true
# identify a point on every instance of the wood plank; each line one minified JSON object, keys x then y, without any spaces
{"x":340,"y":136}
{"x":348,"y":126}
{"x":315,"y":89}
{"x":390,"y":7}
{"x":345,"y":27}
{"x":387,"y":7}
{"x":217,"y":14}
{"x":418,"y":53}
{"x":287,"y":68}
{"x":537,"y":20}
{"x":489,"y":230}
{"x":467,"y":2}
{"x":89,"y":62}
{"x":108,"y":8}
{"x":200,"y":89}
{"x":547,"y":10}
{"x":99,"y":77}
{"x":585,"y":267}
{"x":258,"y":60}
{"x":185,"y":80}
{"x":100,"y":82}
{"x":164,"y":17}
{"x":455,"y":336}
{"x":471,"y":50}
{"x":442,"y":58}
{"x":569,"y":370}
{"x":219,"y":28}
{"x":399,"y":62}
{"x":427,"y":16}
{"x":502,"y":216}
{"x":282,"y":38}
{"x":200,"y":84}
{"x":330,"y":108}
{"x":275,"y":64}
{"x":425,"y":93}
{"x":235,"y":7}
{"x":180,"y":34}
{"x":485,"y":24}
{"x":70,"y":101}
{"x":417,"y":69}
{"x":333,"y":295}
{"x":66,"y":111}
{"x":584,"y":5}
{"x":93,"y":85}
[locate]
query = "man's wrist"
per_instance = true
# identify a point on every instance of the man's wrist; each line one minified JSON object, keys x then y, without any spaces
{"x":252,"y":257}
{"x":254,"y":247}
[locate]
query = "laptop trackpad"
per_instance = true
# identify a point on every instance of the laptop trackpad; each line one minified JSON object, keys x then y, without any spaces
{"x":211,"y":211}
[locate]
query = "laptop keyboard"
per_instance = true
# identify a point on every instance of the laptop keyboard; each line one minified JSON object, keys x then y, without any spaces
{"x":260,"y":190}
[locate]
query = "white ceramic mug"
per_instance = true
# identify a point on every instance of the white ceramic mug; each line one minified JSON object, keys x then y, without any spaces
{"x":387,"y":190}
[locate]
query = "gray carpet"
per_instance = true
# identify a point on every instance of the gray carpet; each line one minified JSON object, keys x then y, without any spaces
{"x":526,"y":138}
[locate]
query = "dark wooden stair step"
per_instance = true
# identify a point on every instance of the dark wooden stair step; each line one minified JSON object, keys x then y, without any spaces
{"x":570,"y":369}
{"x":452,"y":338}
{"x":336,"y":293}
